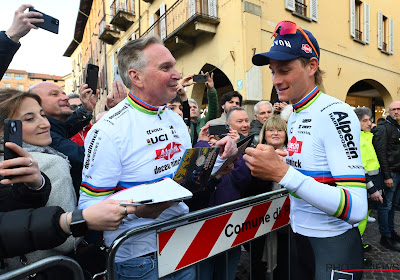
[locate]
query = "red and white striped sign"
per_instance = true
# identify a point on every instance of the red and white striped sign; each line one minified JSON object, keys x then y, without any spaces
{"x":191,"y":243}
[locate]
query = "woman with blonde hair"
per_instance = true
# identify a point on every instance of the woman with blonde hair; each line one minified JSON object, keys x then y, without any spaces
{"x":274,"y":133}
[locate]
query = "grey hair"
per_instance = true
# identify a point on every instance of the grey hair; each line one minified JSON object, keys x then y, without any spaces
{"x":286,"y":112}
{"x":73,"y":95}
{"x":131,"y":57}
{"x":228,"y":115}
{"x":191,"y":100}
{"x":362,"y":111}
{"x":262,"y":102}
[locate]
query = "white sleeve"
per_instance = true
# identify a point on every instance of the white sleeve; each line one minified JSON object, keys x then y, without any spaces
{"x":101,"y":168}
{"x":341,"y":141}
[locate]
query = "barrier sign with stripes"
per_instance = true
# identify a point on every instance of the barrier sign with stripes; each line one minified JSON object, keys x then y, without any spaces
{"x":191,"y":243}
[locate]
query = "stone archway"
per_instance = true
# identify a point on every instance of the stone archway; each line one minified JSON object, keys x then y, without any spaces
{"x":369,"y":93}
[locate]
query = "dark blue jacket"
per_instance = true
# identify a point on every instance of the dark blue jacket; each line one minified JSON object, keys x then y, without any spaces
{"x":60,"y":134}
{"x":7,"y":50}
{"x":232,"y":185}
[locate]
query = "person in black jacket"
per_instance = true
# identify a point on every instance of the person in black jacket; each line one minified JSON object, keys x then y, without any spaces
{"x":26,"y":226}
{"x":9,"y":40}
{"x":65,"y":123}
{"x":386,"y":142}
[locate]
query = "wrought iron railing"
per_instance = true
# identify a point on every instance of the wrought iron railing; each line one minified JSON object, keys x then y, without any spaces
{"x":122,"y":5}
{"x":180,"y":13}
{"x":358,"y":34}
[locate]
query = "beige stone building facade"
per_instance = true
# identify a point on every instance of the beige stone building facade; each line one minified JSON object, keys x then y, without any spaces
{"x":22,"y":80}
{"x":360,"y":51}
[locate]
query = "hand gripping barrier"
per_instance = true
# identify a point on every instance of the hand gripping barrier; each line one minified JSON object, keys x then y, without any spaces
{"x":42,"y":265}
{"x":232,"y":223}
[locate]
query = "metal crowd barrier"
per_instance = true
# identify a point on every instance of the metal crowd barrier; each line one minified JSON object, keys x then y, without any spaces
{"x":38,"y":266}
{"x":262,"y":214}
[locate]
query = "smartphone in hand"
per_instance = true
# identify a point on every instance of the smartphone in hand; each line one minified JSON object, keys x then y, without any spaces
{"x":50,"y":24}
{"x":12,"y":133}
{"x":200,"y":78}
{"x":220,"y":130}
{"x":92,"y":76}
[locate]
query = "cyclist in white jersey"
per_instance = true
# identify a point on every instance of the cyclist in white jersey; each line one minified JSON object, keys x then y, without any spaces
{"x":139,"y":141}
{"x":323,"y":170}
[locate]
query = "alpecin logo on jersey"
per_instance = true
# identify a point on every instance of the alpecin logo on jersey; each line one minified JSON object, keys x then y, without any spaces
{"x":342,"y":124}
{"x":294,"y":146}
{"x":168,"y":152}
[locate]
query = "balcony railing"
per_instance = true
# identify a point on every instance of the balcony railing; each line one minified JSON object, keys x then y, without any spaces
{"x":301,"y":8}
{"x":108,"y":32}
{"x":384,"y":47}
{"x":185,"y":19}
{"x":358,"y":35}
{"x":122,"y":13}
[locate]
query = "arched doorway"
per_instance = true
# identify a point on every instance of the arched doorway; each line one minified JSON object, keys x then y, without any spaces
{"x":368,"y":93}
{"x":221,"y":83}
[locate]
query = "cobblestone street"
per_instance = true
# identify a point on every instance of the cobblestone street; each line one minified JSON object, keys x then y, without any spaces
{"x":381,"y":257}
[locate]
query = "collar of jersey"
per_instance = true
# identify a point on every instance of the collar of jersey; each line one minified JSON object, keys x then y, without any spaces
{"x":307,"y":100}
{"x":143,"y":106}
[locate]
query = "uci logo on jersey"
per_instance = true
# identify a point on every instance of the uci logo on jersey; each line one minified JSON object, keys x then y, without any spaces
{"x":159,"y":138}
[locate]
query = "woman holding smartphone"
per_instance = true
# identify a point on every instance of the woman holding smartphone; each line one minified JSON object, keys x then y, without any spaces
{"x":26,"y":107}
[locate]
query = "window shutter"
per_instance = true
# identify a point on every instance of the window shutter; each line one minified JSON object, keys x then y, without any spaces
{"x":289,"y":4}
{"x":212,"y":8}
{"x":391,"y":49}
{"x":353,"y":18}
{"x":132,"y":6}
{"x":380,"y":30}
{"x":163,"y":31}
{"x":192,"y":8}
{"x":133,"y":37}
{"x":151,"y":22}
{"x":314,"y":10}
{"x":366,"y":22}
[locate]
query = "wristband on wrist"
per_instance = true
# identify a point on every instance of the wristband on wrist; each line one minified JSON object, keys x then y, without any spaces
{"x":66,"y":223}
{"x":39,"y":188}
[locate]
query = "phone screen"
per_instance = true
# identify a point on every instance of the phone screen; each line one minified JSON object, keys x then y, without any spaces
{"x":92,"y":76}
{"x":200,"y":78}
{"x":50,"y":24}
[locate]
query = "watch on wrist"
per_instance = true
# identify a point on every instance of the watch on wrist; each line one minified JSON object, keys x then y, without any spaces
{"x":78,"y":224}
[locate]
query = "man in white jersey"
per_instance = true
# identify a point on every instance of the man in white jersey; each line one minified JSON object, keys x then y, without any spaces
{"x":139,"y":141}
{"x":323,"y":170}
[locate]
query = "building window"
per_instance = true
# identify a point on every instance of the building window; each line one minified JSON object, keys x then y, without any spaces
{"x":7,"y":76}
{"x":307,"y":9}
{"x":359,"y":21}
{"x":20,"y":87}
{"x":301,"y":7}
{"x":385,"y":34}
{"x":19,"y":76}
{"x":7,"y":85}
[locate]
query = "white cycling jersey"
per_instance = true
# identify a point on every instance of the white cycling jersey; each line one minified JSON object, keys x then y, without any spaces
{"x":326,"y":178}
{"x":134,"y":143}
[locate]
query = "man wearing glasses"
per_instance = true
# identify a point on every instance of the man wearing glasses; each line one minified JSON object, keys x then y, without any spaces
{"x":386,"y":142}
{"x":323,"y":170}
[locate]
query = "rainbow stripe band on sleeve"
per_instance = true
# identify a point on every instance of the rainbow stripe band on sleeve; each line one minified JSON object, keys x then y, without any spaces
{"x":96,"y":191}
{"x":356,"y":181}
{"x":344,"y":210}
